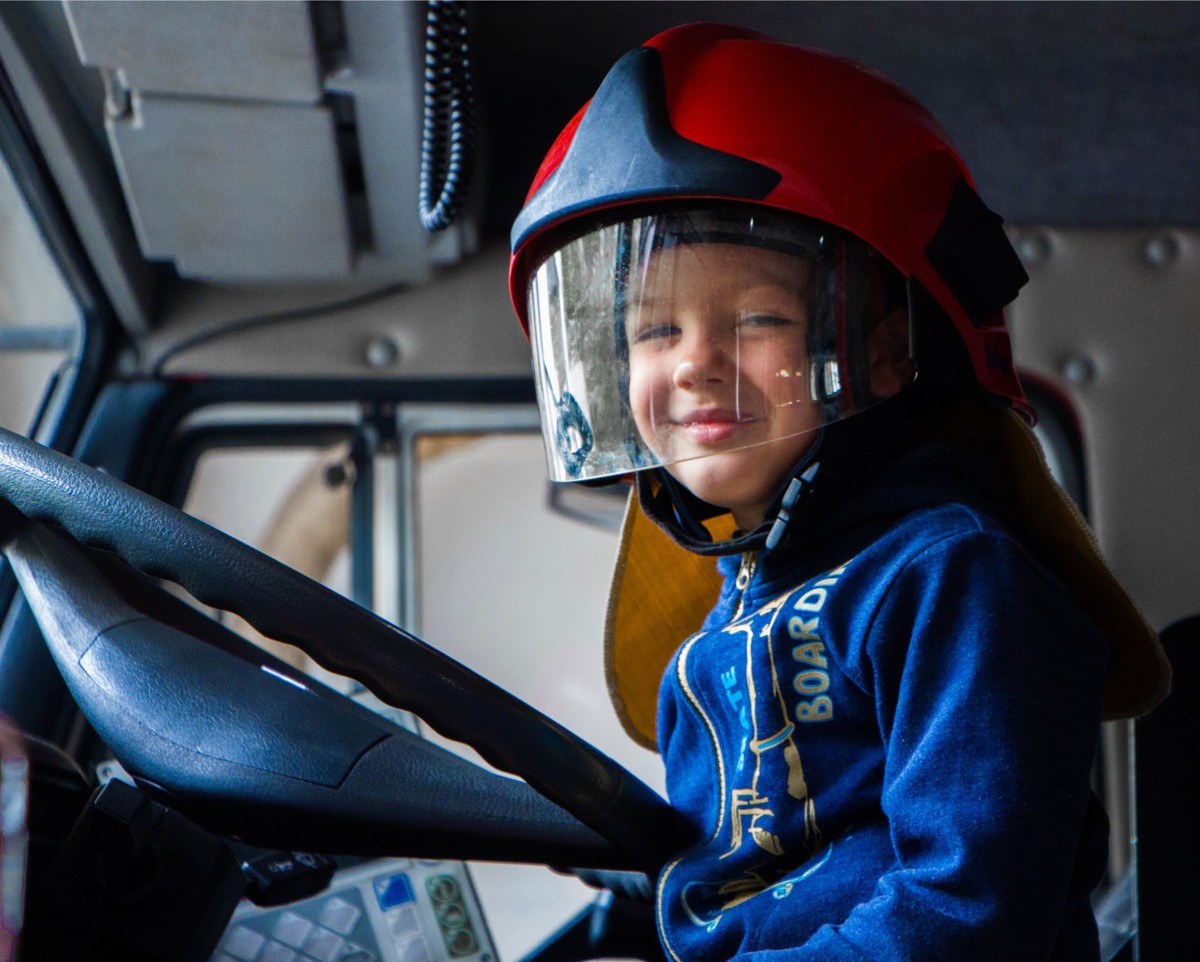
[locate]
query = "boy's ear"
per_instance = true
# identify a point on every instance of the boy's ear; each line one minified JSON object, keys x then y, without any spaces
{"x":888,"y":354}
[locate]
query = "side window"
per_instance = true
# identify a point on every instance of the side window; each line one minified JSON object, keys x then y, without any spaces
{"x":40,"y":321}
{"x":291,"y":502}
{"x":515,"y":584}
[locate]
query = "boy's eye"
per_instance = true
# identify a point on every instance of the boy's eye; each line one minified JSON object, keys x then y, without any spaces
{"x":655,"y":332}
{"x":764,"y":320}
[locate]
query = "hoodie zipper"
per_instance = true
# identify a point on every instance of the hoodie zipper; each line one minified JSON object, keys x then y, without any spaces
{"x":745,"y":573}
{"x":744,"y":576}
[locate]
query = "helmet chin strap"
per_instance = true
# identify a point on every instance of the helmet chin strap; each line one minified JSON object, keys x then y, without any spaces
{"x":798,"y":491}
{"x":682,"y":515}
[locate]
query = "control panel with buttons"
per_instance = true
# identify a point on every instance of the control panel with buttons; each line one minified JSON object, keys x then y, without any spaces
{"x":393,"y":910}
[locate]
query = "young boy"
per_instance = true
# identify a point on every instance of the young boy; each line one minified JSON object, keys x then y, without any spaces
{"x":759,"y":279}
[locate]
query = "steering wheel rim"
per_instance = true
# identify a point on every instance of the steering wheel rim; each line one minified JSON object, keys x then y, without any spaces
{"x":158,"y":540}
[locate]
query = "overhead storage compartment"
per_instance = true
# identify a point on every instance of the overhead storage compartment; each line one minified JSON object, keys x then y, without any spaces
{"x":307,"y":116}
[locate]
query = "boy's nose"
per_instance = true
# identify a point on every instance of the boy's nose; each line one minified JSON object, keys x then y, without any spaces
{"x":702,"y":362}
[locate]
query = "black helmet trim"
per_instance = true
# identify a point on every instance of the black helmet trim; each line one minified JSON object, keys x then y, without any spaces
{"x":631,"y":105}
{"x":974,"y":257}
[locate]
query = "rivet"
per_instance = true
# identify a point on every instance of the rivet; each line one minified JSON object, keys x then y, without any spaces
{"x":382,"y":352}
{"x":1033,"y":248}
{"x":1160,"y":250}
{"x":1078,"y":369}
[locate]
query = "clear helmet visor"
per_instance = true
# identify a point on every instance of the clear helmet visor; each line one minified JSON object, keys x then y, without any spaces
{"x":690,"y":334}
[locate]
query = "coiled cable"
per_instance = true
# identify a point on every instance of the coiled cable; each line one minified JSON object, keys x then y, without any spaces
{"x":448,"y":131}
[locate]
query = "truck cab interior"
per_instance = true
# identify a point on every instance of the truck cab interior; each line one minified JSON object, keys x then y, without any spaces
{"x":300,"y":652}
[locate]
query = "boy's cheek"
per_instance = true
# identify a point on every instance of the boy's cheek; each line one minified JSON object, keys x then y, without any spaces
{"x":647,"y":400}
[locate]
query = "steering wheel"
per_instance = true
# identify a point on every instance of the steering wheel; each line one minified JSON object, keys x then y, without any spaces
{"x":97,"y":614}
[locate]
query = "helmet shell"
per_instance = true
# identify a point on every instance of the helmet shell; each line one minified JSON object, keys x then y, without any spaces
{"x":719,"y":112}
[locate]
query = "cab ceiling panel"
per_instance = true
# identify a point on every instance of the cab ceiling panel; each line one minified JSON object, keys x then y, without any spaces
{"x":1071,"y":114}
{"x":189,"y":192}
{"x":215,"y":110}
{"x":236,"y":50}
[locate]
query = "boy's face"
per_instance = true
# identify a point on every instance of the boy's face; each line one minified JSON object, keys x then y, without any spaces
{"x":718,"y":367}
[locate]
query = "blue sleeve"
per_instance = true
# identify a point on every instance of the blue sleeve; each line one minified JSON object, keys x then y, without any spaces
{"x":988,"y":683}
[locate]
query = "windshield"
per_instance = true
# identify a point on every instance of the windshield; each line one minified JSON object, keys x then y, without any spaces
{"x":40,"y":320}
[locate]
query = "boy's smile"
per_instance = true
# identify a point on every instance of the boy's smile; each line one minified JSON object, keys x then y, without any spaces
{"x":713,"y":425}
{"x":719,"y":367}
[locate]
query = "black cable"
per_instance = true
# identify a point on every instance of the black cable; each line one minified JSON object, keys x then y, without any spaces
{"x":261,"y":320}
{"x":448,"y":132}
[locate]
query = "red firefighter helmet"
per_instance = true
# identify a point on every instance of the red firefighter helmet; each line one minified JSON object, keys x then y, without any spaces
{"x":713,"y":113}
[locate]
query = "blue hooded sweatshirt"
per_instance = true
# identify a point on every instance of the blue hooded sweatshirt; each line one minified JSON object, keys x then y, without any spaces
{"x":884,"y":742}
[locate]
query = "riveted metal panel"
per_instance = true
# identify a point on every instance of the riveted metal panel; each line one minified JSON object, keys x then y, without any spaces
{"x":1109,"y":319}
